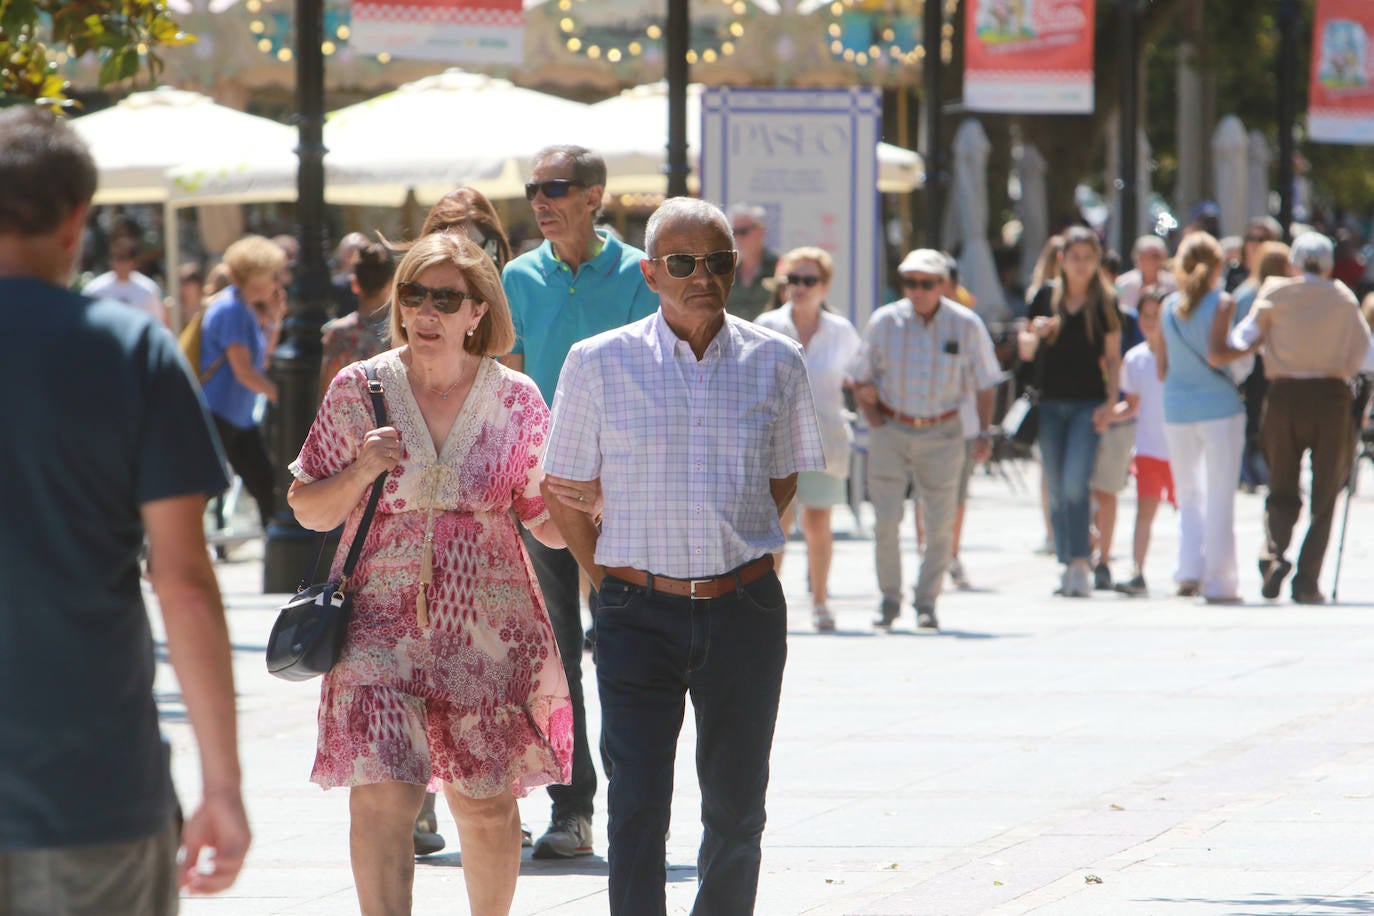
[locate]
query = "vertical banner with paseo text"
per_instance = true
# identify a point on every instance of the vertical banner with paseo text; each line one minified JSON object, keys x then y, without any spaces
{"x":1340,"y":107}
{"x":809,"y":157}
{"x":1029,"y":56}
{"x":456,"y":31}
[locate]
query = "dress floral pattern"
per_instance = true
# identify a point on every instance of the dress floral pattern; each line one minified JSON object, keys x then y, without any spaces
{"x":465,"y":687}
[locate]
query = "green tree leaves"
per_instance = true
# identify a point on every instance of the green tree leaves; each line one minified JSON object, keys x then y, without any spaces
{"x":125,"y":34}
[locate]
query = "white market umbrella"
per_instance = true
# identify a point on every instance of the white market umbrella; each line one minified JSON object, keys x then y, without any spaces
{"x":452,"y":129}
{"x":135,"y":142}
{"x":967,"y":223}
{"x":1230,"y":158}
{"x":430,"y":136}
{"x":1034,"y":209}
{"x":630,"y":131}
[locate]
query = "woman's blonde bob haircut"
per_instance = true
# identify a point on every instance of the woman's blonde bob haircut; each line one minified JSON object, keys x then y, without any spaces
{"x":252,"y":256}
{"x":495,"y":335}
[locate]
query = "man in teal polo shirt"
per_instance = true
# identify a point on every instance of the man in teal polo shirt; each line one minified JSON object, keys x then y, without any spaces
{"x":575,"y":285}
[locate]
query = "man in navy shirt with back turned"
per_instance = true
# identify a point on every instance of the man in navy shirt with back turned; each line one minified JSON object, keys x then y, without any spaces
{"x":106,"y":440}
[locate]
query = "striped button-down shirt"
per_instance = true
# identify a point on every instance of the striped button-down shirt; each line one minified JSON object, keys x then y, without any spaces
{"x":685,"y":449}
{"x":922,"y":368}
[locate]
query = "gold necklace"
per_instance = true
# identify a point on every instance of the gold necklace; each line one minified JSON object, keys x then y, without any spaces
{"x":443,"y":395}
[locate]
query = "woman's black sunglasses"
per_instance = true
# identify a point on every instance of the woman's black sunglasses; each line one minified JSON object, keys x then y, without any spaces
{"x":682,"y":266}
{"x":553,"y":189}
{"x":799,"y":280}
{"x":412,"y":296}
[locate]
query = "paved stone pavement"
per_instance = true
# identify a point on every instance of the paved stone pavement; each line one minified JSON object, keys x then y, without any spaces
{"x":1040,"y":754}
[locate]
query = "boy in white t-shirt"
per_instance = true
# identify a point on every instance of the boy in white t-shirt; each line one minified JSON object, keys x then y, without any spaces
{"x":1144,"y":391}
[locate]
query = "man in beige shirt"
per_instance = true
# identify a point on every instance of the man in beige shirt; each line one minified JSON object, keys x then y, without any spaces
{"x":1314,"y":341}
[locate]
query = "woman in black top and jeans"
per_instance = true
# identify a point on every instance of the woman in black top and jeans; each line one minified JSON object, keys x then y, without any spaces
{"x":1074,"y":337}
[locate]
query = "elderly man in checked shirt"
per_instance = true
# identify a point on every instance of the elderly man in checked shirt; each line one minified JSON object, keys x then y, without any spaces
{"x":919,"y":357}
{"x":694,"y":424}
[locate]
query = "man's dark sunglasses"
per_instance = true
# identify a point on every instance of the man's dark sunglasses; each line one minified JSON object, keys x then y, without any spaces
{"x":913,"y":283}
{"x":553,"y":189}
{"x":682,"y":266}
{"x":799,"y":280}
{"x":448,"y":301}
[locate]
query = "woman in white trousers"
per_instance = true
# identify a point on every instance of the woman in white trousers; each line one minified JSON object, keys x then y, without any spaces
{"x":1205,"y":426}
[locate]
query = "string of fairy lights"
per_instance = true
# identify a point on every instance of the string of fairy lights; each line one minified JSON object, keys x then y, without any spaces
{"x":860,"y":32}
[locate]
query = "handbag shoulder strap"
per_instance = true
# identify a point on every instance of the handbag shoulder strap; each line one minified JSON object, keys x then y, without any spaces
{"x":375,"y":390}
{"x":1173,"y":317}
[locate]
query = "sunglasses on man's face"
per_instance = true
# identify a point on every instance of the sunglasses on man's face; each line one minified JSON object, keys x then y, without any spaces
{"x":913,"y":283}
{"x":802,"y":280}
{"x":682,"y":266}
{"x":448,"y":301}
{"x":553,"y":189}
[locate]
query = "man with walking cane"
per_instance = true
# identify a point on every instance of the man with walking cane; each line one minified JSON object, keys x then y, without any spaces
{"x":1314,"y":341}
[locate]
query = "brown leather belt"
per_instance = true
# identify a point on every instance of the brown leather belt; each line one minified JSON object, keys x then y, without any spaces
{"x":712,"y":587}
{"x":918,"y":422}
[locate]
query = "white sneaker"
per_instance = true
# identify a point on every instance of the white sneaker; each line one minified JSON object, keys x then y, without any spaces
{"x":569,"y":835}
{"x":1078,"y":580}
{"x":956,"y":575}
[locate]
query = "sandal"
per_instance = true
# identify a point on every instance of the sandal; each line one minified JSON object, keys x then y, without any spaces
{"x":825,"y":623}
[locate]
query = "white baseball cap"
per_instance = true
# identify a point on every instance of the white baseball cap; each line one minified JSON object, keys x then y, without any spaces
{"x":924,"y":261}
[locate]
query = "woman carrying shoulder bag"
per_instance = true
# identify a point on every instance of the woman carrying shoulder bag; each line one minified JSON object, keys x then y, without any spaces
{"x":1075,"y":334}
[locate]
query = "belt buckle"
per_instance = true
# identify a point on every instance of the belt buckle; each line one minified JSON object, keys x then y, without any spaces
{"x":693,"y":583}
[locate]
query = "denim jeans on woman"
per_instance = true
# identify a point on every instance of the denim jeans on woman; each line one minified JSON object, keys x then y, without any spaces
{"x":652,"y":650}
{"x":1068,"y":449}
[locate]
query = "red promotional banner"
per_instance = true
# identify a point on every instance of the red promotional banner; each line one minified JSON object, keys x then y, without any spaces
{"x":1340,"y":107}
{"x":1031,"y":56}
{"x":460,"y":31}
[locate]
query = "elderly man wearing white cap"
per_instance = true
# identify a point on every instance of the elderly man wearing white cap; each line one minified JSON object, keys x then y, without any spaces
{"x":1314,"y":341}
{"x":919,"y":358}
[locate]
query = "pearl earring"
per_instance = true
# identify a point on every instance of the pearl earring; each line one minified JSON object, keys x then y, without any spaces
{"x":471,"y":331}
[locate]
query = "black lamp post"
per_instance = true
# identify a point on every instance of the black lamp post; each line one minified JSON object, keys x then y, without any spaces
{"x":1288,"y":107}
{"x":932,"y":28}
{"x":1130,"y":120}
{"x":295,"y":365}
{"x":677,"y":41}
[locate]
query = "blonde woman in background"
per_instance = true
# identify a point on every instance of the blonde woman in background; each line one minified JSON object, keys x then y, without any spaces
{"x":830,"y":342}
{"x":1204,"y":421}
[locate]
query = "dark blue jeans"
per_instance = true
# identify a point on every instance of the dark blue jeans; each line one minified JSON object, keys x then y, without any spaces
{"x":557,"y":573}
{"x":728,"y":653}
{"x":1068,"y":447}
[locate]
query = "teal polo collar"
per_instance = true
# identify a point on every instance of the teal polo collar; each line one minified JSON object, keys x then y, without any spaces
{"x":604,"y":263}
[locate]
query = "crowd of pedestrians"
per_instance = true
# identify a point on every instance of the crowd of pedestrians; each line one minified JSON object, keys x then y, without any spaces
{"x":590,"y":423}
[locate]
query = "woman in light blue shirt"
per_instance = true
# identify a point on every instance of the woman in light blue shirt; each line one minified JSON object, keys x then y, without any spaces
{"x":1204,"y":420}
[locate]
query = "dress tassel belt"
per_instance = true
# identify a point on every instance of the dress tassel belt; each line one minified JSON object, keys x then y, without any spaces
{"x":710,"y":587}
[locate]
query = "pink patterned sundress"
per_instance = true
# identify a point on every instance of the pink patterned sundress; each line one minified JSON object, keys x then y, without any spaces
{"x":464,"y":686}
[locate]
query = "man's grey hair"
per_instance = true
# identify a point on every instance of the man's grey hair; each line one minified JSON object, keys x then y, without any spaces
{"x":1146,"y":243}
{"x":753,"y":211}
{"x":588,"y":167}
{"x":689,"y":210}
{"x":1313,"y":253}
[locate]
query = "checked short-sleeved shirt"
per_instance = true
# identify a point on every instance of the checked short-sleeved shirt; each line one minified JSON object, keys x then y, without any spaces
{"x":554,"y":307}
{"x":923,"y":369}
{"x":685,"y":449}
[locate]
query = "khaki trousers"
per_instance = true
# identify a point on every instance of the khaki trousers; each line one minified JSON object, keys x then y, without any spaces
{"x":136,"y":878}
{"x":1305,"y":415}
{"x":932,"y":459}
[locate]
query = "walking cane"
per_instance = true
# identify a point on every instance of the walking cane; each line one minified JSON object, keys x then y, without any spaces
{"x":1345,"y":520}
{"x":1362,"y":393}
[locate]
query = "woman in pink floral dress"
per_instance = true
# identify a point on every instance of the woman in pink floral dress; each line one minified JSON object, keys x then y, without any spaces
{"x":450,"y":671}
